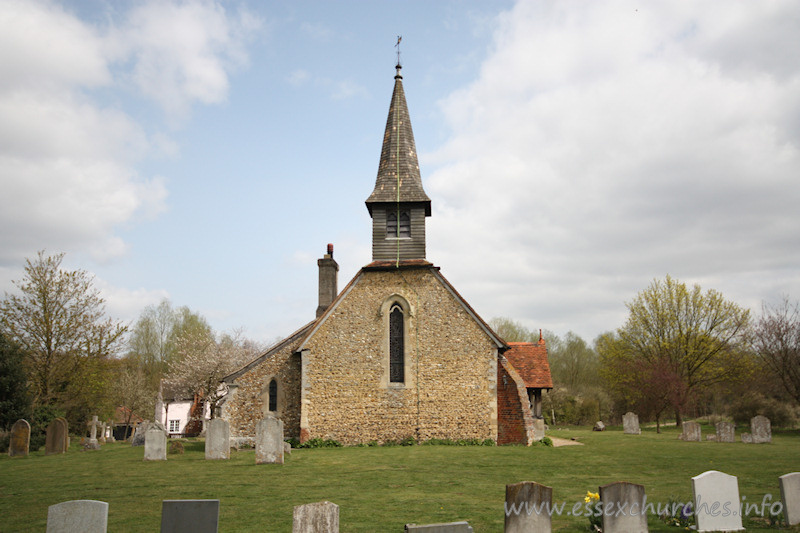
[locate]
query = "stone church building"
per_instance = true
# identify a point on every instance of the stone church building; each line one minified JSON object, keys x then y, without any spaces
{"x":398,"y":352}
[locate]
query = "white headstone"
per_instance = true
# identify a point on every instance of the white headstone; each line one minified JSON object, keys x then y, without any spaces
{"x":630,"y":424}
{"x":790,"y":496}
{"x":623,"y":511}
{"x":86,"y":516}
{"x":319,"y":517}
{"x":269,"y":441}
{"x":155,"y":444}
{"x":528,"y":508}
{"x":716,"y":502}
{"x":218,"y":439}
{"x":189,"y":516}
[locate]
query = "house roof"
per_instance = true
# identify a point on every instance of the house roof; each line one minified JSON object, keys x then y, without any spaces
{"x":398,"y":177}
{"x":529,"y":359}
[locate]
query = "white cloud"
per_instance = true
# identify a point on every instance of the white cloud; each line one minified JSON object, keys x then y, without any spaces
{"x":608,"y":143}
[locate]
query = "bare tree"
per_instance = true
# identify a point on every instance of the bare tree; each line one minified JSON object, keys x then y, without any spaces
{"x":776,"y":340}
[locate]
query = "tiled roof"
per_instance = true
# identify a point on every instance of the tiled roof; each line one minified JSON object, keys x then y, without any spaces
{"x":398,"y":164}
{"x":529,"y":359}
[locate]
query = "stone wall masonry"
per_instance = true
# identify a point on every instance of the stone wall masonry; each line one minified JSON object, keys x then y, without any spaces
{"x":451,"y":372}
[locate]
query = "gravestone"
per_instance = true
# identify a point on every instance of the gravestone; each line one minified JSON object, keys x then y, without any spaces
{"x":138,"y":434}
{"x":93,"y":444}
{"x":20,"y":442}
{"x":726,"y":432}
{"x":527,"y":508}
{"x":790,"y":496}
{"x":218,"y":437}
{"x":599,"y":426}
{"x":691,"y":432}
{"x":189,"y":516}
{"x":760,"y":429}
{"x":449,"y":527}
{"x":86,"y":516}
{"x":56,"y":439}
{"x":630,"y":424}
{"x":319,"y":517}
{"x":623,"y":508}
{"x":155,"y":444}
{"x":269,"y":441}
{"x":716,"y":502}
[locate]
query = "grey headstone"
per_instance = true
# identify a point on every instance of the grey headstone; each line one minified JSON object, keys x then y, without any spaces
{"x":287,"y":448}
{"x":726,"y":432}
{"x":269,"y":441}
{"x":790,"y":496}
{"x":630,"y":424}
{"x":747,"y":438}
{"x":449,"y":527}
{"x":716,"y":502}
{"x":189,"y":516}
{"x":319,"y":517}
{"x":138,"y":434}
{"x":155,"y":444}
{"x":93,"y":443}
{"x":57,"y":437}
{"x":599,"y":426}
{"x":691,"y":432}
{"x":86,"y":516}
{"x":626,"y":513}
{"x":528,"y":508}
{"x":20,"y":442}
{"x":218,"y":439}
{"x":761,"y":429}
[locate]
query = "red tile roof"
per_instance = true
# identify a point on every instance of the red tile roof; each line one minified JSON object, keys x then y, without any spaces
{"x":529,"y":359}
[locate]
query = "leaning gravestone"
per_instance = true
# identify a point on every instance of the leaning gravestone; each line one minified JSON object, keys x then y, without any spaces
{"x":726,"y":432}
{"x":86,"y":516}
{"x":57,"y":437}
{"x":528,"y":507}
{"x":319,"y":517}
{"x":691,"y":432}
{"x":155,"y":444}
{"x":450,"y":527}
{"x":628,"y":497}
{"x":20,"y":442}
{"x":189,"y":516}
{"x":630,"y":424}
{"x":269,"y":441}
{"x":716,"y":502}
{"x":599,"y":426}
{"x":218,"y":436}
{"x":790,"y":496}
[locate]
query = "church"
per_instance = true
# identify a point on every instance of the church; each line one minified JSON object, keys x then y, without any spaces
{"x":398,"y":353}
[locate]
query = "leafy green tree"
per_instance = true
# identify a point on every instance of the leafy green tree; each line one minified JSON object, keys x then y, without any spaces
{"x":59,"y":321}
{"x":15,"y":402}
{"x":511,"y":330}
{"x":677,"y":341}
{"x":573,"y":363}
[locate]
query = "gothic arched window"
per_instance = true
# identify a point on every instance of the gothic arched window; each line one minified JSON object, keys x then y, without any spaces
{"x":405,"y":224}
{"x":392,"y":228}
{"x":273,"y":395}
{"x":396,"y":345}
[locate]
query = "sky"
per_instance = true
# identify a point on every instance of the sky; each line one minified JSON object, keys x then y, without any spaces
{"x":207,"y":152}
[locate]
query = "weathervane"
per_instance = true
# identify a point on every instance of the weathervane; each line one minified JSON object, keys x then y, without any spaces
{"x":397,"y":45}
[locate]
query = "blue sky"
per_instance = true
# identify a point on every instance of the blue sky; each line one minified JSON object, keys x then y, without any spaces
{"x":207,"y":152}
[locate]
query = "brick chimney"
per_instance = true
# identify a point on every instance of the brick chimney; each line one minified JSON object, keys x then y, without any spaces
{"x":328,"y":274}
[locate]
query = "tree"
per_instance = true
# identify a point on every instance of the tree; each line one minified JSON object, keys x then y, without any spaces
{"x":131,"y":391}
{"x":60,"y":324}
{"x":511,"y":330}
{"x":776,"y":341}
{"x":15,"y":402}
{"x":573,"y":363}
{"x":678,"y":339}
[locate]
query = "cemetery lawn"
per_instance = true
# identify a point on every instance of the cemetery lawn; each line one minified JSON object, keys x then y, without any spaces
{"x":381,"y":489}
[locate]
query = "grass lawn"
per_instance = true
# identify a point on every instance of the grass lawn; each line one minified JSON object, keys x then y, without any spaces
{"x":381,"y":489}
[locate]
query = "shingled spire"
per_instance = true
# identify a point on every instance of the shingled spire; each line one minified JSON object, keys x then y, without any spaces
{"x":398,"y":205}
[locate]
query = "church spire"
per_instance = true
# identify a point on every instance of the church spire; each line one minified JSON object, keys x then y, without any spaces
{"x":398,"y":205}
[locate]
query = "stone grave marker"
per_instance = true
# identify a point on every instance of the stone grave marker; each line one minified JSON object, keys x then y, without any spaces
{"x":138,"y":434}
{"x":630,"y":424}
{"x":449,"y":527}
{"x":319,"y":517}
{"x":622,"y":508}
{"x":269,"y":441}
{"x":726,"y":431}
{"x":527,"y":508}
{"x":56,"y":438}
{"x":691,"y":432}
{"x":155,"y":444}
{"x":599,"y":426}
{"x":761,"y":429}
{"x":86,"y":516}
{"x":790,"y":496}
{"x":218,"y":437}
{"x":93,"y":443}
{"x":189,"y":516}
{"x":716,"y":502}
{"x":20,"y":442}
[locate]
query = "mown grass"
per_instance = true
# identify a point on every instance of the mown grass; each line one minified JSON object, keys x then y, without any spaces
{"x":381,"y":489}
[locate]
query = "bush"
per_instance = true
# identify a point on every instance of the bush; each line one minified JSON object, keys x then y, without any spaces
{"x":547,"y":441}
{"x":320,"y":443}
{"x":779,"y":413}
{"x":42,"y":416}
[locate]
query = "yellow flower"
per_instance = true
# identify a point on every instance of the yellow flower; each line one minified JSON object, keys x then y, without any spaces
{"x":591,"y":496}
